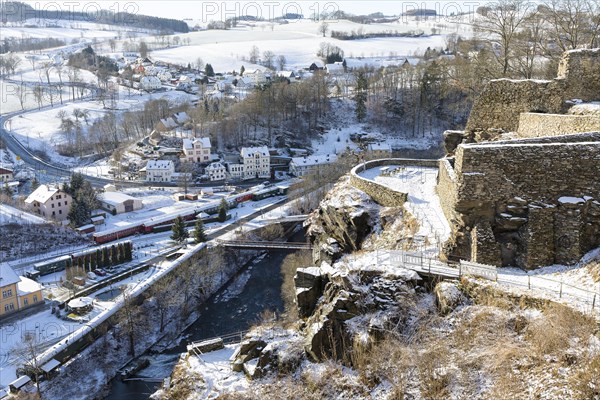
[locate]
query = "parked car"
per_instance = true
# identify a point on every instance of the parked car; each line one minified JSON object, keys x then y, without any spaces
{"x":92,"y":276}
{"x":100,"y":272}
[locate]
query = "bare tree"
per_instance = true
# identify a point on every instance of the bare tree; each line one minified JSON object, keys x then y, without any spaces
{"x":254,"y":54}
{"x":29,"y":351}
{"x":501,"y":22}
{"x":324,"y":28}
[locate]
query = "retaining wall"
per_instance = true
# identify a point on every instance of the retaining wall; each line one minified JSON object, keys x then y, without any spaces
{"x":383,"y":194}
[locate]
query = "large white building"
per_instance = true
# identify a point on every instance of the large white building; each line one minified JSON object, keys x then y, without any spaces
{"x":159,"y":171}
{"x":118,"y":203}
{"x":216,"y":172}
{"x":257,"y":162}
{"x":50,"y":202}
{"x":300,"y":166}
{"x":197,"y":150}
{"x":150,"y":83}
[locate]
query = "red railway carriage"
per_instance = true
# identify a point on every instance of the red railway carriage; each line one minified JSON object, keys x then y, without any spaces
{"x":117,"y":233}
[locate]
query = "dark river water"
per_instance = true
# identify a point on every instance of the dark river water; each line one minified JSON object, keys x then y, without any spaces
{"x":233,"y":309}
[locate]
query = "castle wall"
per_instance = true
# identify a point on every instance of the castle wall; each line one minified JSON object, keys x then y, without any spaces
{"x":503,"y":100}
{"x":536,"y":125}
{"x":515,"y":187}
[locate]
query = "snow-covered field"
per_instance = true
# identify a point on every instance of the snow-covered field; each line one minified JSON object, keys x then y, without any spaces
{"x":299,"y":42}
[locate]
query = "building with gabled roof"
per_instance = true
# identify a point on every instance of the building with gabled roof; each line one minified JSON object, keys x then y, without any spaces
{"x":159,"y":171}
{"x":17,"y":292}
{"x":197,"y":150}
{"x":257,"y":162}
{"x":50,"y":202}
{"x":6,"y":174}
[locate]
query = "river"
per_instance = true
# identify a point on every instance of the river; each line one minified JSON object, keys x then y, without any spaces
{"x":232,"y":309}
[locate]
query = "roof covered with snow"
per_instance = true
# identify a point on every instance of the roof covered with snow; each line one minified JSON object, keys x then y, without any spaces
{"x":252,"y":151}
{"x":26,"y":286}
{"x":188,"y":144}
{"x":42,"y":194}
{"x":159,"y":165}
{"x":8,"y":276}
{"x":115,"y":198}
{"x":215,"y":166}
{"x":314,"y":160}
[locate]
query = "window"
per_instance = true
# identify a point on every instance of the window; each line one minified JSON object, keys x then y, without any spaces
{"x":52,"y":205}
{"x":58,"y":197}
{"x":60,"y":211}
{"x":53,"y":213}
{"x":35,"y":298}
{"x":26,"y":301}
{"x":6,"y":293}
{"x":9,"y":307}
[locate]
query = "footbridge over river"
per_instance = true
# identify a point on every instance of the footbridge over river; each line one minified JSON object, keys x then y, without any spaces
{"x":263,"y":245}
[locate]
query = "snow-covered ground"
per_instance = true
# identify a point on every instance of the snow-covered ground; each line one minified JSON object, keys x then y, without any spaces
{"x":13,"y":215}
{"x":423,"y":201}
{"x":299,"y":42}
{"x":48,"y":329}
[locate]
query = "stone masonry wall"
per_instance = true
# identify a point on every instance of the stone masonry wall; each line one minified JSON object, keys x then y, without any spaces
{"x":503,"y":100}
{"x":515,"y":186}
{"x":382,"y":194}
{"x":537,"y":125}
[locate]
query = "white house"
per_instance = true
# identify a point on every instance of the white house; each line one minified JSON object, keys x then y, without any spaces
{"x":216,"y":172}
{"x":50,"y":202}
{"x":300,"y":166}
{"x":6,"y":175}
{"x":159,"y":171}
{"x":257,"y":162}
{"x":197,"y":150}
{"x":236,"y":170}
{"x":380,"y":149}
{"x":149,"y":83}
{"x":255,"y":78}
{"x":118,"y":203}
{"x":336,"y":68}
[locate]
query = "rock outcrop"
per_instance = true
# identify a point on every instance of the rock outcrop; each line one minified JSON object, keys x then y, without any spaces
{"x":341,"y":222}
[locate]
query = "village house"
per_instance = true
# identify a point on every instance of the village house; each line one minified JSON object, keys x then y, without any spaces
{"x":257,"y":162}
{"x":236,"y":170}
{"x":380,"y":150}
{"x":336,"y":68}
{"x":50,"y":202}
{"x":17,"y":293}
{"x":197,"y":150}
{"x":216,"y":172}
{"x":6,"y":175}
{"x":301,"y":166}
{"x":150,"y":83}
{"x":159,"y":171}
{"x":118,"y":203}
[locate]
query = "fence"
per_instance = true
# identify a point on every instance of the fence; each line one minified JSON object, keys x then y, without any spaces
{"x":584,"y":300}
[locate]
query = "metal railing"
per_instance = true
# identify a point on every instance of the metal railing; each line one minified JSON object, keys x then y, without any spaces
{"x":583,"y":299}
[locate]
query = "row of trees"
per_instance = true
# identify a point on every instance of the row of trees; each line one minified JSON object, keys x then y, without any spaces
{"x":180,"y":233}
{"x":269,"y":59}
{"x":104,"y":257}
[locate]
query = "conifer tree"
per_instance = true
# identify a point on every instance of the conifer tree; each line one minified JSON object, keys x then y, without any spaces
{"x":223,"y":211}
{"x":199,"y":233}
{"x":179,"y":231}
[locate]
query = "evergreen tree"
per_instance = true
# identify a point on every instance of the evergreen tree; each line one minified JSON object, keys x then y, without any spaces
{"x":223,"y":211}
{"x":242,"y":70}
{"x":361,"y":96}
{"x":99,"y":259}
{"x":179,"y":231}
{"x":199,"y":233}
{"x":84,"y":200}
{"x":35,"y":183}
{"x":120,"y":253}
{"x":105,"y":257}
{"x":113,"y":255}
{"x":128,"y":251}
{"x":94,"y":260}
{"x":208,"y":70}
